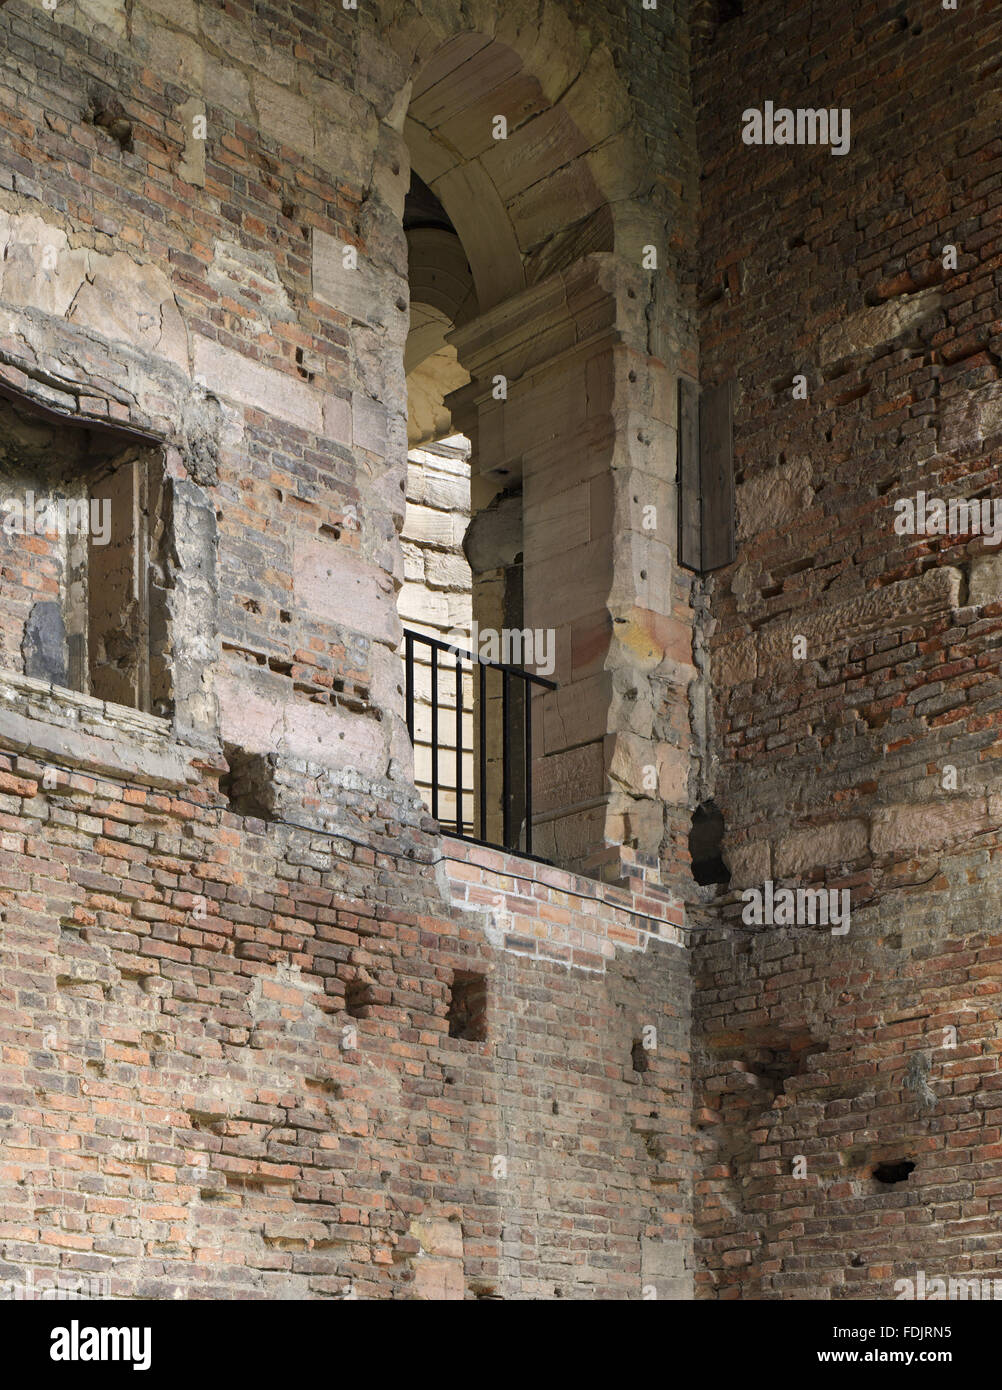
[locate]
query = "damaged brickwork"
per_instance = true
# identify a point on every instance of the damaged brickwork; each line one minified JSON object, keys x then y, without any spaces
{"x":869,"y":764}
{"x":266,"y":1030}
{"x":257,"y":1039}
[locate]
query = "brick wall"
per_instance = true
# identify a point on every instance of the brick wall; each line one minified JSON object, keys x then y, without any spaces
{"x":229,"y":1060}
{"x":227,"y":1068}
{"x":537,"y":910}
{"x":833,"y":768}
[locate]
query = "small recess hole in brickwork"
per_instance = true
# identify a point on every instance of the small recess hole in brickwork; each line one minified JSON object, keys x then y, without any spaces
{"x":468,"y":1007}
{"x":893,"y":1172}
{"x":357,"y":997}
{"x":246,"y":783}
{"x":640,"y":1058}
{"x":705,"y":839}
{"x":107,"y":112}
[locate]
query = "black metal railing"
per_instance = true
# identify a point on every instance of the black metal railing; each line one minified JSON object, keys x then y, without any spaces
{"x":511,"y":802}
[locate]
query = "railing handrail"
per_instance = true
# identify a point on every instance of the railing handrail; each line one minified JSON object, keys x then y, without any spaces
{"x":520,"y":671}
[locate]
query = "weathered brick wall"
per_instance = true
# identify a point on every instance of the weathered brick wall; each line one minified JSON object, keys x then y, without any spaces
{"x":226,"y":1063}
{"x":196,"y":255}
{"x":836,"y":1051}
{"x":185,"y":1114}
{"x":831,"y":768}
{"x":215,"y":266}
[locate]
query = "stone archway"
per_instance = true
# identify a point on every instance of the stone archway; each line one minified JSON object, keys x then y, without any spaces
{"x":570,"y":398}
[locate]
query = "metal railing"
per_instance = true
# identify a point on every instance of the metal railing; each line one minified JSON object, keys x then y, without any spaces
{"x":515,"y":745}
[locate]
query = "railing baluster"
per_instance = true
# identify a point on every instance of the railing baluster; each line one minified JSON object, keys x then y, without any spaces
{"x":511,"y":835}
{"x":482,"y":756}
{"x":528,"y":767}
{"x":434,"y":733}
{"x":459,"y":746}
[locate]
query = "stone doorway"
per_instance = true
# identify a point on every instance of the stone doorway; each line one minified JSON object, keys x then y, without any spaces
{"x":552,"y":341}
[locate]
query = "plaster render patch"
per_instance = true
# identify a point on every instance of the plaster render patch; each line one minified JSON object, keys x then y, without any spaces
{"x":359,"y":292}
{"x":282,"y":115}
{"x":89,"y":15}
{"x":734,"y":663}
{"x":112,"y":295}
{"x":131,"y":303}
{"x":930,"y":826}
{"x":901,"y":603}
{"x":191,"y":166}
{"x":252,"y":279}
{"x":175,"y":57}
{"x":970,"y":418}
{"x":749,"y":864}
{"x":986,"y":580}
{"x":39,"y":269}
{"x":368,"y":424}
{"x":269,"y":719}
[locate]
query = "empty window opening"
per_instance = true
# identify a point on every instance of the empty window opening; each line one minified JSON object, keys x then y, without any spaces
{"x":893,"y":1172}
{"x":640,"y":1059}
{"x":705,"y":839}
{"x":463,"y":547}
{"x":468,"y":1007}
{"x":437,"y":596}
{"x":83,"y":527}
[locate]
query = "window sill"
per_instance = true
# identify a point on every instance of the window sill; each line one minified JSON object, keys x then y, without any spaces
{"x":53,"y":724}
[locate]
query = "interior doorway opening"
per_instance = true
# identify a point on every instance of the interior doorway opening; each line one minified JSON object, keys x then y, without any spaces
{"x":462,"y":547}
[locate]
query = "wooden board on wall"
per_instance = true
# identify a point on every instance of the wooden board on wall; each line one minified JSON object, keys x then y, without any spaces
{"x":705,"y":475}
{"x":689,"y":488}
{"x":716,"y":456}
